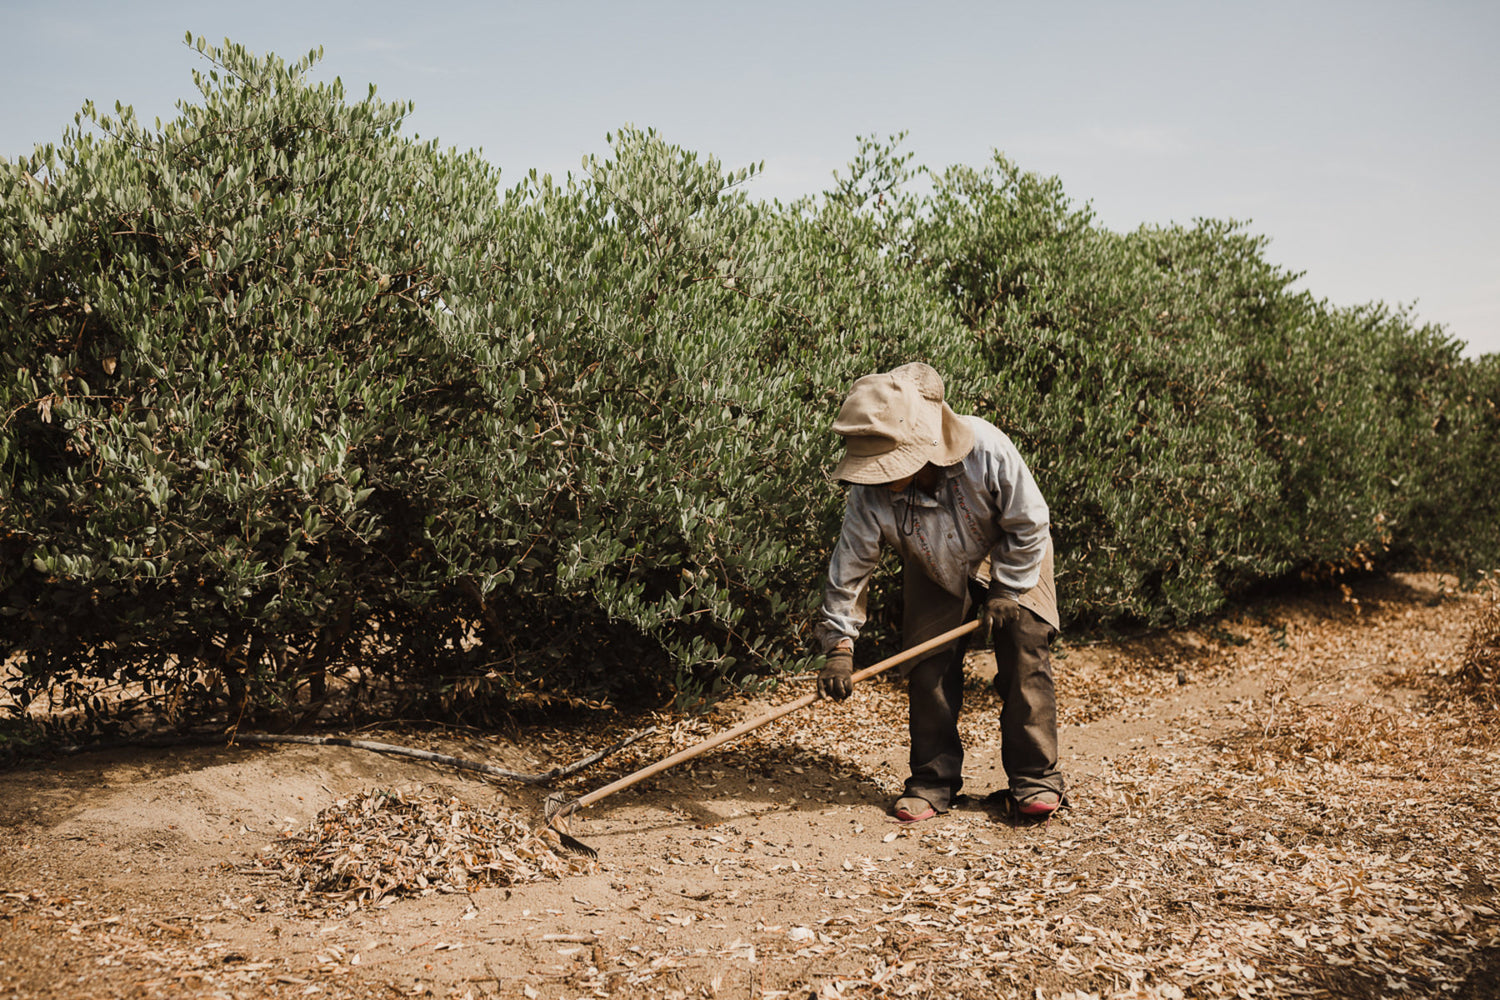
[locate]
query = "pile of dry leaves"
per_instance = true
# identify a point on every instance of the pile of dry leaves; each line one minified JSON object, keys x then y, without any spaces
{"x":383,"y":844}
{"x":1479,"y":674}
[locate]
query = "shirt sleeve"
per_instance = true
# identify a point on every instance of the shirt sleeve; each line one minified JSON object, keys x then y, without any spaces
{"x":854,"y":559}
{"x":1016,"y":559}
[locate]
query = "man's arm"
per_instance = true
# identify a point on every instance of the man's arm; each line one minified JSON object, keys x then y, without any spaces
{"x":1023,"y":516}
{"x":854,"y":559}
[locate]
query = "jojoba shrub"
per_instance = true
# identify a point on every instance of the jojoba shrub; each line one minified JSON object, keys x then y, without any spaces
{"x":298,"y":412}
{"x":224,"y":338}
{"x":1201,"y":427}
{"x":291,"y":397}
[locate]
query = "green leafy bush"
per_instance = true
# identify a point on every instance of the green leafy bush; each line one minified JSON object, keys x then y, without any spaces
{"x":224,"y":338}
{"x":287,"y":396}
{"x":1199,"y":427}
{"x":1114,"y":362}
{"x":293,"y":392}
{"x":1444,"y":465}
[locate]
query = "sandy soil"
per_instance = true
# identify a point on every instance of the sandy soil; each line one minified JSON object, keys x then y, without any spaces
{"x":1280,"y":804}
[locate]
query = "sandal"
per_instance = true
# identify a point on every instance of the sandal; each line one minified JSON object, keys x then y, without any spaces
{"x":1037,"y":807}
{"x":1039,"y":804}
{"x":911,"y":809}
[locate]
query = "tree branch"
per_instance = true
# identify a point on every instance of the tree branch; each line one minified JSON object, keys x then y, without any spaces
{"x":438,"y":758}
{"x":539,"y":778}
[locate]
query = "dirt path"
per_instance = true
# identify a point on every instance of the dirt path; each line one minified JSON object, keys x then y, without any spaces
{"x":1275,"y":806}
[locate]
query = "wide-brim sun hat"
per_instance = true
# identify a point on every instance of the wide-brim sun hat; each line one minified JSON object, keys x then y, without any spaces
{"x":894,"y":423}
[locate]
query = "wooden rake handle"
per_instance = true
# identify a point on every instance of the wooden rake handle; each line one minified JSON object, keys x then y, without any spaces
{"x":719,"y":739}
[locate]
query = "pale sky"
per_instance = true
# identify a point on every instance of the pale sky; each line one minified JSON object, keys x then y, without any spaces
{"x":1362,"y":138}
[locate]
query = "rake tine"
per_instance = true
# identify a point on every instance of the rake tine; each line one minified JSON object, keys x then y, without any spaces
{"x":559,"y":813}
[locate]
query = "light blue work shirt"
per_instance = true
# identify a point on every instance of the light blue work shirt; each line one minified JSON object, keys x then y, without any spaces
{"x":988,"y":522}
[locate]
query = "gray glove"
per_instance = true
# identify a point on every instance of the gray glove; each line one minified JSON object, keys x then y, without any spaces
{"x":996,"y":613}
{"x":836,"y":679}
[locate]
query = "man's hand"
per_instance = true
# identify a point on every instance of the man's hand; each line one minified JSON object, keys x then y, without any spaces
{"x":836,"y":679}
{"x":997,"y":612}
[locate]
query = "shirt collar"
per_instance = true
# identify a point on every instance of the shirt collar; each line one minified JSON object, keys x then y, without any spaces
{"x":922,"y":499}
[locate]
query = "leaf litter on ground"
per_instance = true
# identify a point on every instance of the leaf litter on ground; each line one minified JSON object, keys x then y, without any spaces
{"x":1326,"y":828}
{"x":1333,"y":834}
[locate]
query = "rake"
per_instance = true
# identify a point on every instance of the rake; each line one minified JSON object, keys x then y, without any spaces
{"x":560,"y":812}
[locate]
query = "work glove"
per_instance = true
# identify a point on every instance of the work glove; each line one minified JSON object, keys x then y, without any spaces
{"x":995,"y":613}
{"x":836,"y":679}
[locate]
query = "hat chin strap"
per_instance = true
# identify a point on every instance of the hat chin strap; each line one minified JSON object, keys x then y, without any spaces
{"x":908,"y":522}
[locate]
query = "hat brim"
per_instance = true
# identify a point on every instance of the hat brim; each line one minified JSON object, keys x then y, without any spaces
{"x":954,"y":443}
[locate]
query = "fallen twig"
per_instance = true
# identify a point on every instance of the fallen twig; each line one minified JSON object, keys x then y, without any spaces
{"x":344,"y":741}
{"x":440,"y":758}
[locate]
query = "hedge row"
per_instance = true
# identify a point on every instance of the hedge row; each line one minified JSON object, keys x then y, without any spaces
{"x":287,"y":395}
{"x":1202,"y":427}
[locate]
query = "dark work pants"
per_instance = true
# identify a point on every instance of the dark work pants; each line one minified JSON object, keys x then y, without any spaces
{"x":1023,"y":678}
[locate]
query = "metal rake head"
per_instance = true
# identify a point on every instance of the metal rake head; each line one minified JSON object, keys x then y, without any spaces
{"x":559,"y":810}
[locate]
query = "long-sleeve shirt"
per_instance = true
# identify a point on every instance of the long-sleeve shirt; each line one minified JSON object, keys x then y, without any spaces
{"x":988,"y":522}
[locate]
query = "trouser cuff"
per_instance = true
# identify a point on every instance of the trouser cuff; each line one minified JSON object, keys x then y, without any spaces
{"x":941,"y":796}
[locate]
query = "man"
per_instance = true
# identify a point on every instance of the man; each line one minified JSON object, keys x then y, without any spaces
{"x":952,"y":496}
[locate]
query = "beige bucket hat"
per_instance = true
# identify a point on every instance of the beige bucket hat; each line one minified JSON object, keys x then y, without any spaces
{"x":896,"y":422}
